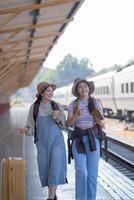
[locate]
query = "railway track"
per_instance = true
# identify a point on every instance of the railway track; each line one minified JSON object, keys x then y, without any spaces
{"x":120,"y":155}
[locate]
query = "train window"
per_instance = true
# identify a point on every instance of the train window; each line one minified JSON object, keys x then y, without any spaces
{"x":98,"y":90}
{"x":95,"y":92}
{"x":107,"y":90}
{"x":126,"y":87}
{"x":132,"y":86}
{"x":103,"y":90}
{"x":122,"y":88}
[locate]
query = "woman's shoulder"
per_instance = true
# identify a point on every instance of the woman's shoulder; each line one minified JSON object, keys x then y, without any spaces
{"x":71,"y":106}
{"x":96,"y":100}
{"x":98,"y":103}
{"x":71,"y":103}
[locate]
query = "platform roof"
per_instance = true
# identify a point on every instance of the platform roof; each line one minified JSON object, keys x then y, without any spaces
{"x":28,"y":31}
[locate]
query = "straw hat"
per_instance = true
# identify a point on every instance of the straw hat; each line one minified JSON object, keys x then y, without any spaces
{"x":42,"y":86}
{"x":77,"y":81}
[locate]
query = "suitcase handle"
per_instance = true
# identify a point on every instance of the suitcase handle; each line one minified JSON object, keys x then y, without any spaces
{"x":12,"y":178}
{"x":13,"y":184}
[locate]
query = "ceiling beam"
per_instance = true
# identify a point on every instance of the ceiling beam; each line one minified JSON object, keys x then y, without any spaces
{"x":29,"y":26}
{"x":8,"y":71}
{"x":30,"y":38}
{"x":8,"y":19}
{"x":28,"y":7}
{"x":11,"y":48}
{"x":24,"y":55}
{"x":9,"y":38}
{"x":34,"y":47}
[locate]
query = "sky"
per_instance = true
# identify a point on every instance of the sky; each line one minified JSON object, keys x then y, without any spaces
{"x":102,"y":31}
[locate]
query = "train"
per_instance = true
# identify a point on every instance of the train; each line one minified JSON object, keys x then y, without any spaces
{"x":115,"y":89}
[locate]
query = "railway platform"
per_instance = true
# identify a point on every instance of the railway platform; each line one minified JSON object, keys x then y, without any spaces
{"x":112,"y":185}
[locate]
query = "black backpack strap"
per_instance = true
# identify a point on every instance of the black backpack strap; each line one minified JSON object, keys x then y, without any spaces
{"x":36,"y":109}
{"x":91,"y":106}
{"x":101,"y":134}
{"x":35,"y":114}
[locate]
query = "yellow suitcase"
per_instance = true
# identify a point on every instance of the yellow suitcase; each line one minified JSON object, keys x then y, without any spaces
{"x":13,"y":179}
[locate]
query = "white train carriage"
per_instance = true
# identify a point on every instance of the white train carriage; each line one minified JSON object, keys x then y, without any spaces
{"x":115,"y":89}
{"x":124,"y":92}
{"x":104,"y":89}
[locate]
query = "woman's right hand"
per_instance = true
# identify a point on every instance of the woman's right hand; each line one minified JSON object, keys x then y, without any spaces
{"x":24,"y":130}
{"x":72,"y":117}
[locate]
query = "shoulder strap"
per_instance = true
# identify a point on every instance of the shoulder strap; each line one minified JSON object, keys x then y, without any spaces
{"x":91,"y":106}
{"x":35,"y":114}
{"x":75,"y":105}
{"x":36,"y":109}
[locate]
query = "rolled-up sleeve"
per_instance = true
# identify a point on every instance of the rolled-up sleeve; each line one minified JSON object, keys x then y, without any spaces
{"x":70,"y":108}
{"x":63,"y":117}
{"x":30,"y":121}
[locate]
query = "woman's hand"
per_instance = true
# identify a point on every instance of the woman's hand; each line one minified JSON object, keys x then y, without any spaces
{"x":100,"y":122}
{"x":24,"y":130}
{"x":56,"y":115}
{"x":72,"y":117}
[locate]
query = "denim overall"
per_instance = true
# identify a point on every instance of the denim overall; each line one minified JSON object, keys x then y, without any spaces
{"x":86,"y":166}
{"x":51,"y":155}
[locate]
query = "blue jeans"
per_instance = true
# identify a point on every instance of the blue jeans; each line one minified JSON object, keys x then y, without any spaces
{"x":86,"y":171}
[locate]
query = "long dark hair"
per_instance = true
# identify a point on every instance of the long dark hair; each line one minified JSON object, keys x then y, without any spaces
{"x":39,"y":98}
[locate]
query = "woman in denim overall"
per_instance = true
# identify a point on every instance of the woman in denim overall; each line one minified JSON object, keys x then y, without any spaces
{"x":85,"y":146}
{"x":51,"y":155}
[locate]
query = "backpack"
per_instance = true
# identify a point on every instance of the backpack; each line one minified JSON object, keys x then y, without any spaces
{"x":35,"y":114}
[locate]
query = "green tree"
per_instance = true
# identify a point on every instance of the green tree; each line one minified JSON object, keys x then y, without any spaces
{"x":70,"y":68}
